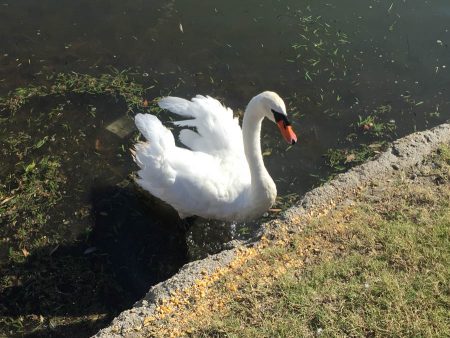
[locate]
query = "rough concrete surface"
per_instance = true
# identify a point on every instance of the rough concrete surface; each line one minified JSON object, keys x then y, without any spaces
{"x":401,"y":155}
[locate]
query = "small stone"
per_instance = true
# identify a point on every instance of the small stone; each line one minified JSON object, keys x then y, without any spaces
{"x":395,"y":166}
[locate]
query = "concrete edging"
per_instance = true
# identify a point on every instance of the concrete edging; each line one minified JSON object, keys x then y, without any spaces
{"x":401,"y":155}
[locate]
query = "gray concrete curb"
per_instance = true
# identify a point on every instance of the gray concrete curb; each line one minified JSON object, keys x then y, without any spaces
{"x":401,"y":155}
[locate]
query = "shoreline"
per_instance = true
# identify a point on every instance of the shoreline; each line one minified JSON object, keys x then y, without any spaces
{"x":401,"y":155}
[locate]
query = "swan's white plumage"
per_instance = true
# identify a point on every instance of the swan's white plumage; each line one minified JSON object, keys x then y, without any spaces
{"x":208,"y":180}
{"x":222,"y":174}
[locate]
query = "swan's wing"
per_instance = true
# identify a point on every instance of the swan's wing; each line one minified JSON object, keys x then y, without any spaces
{"x":194,"y":183}
{"x":217,"y":132}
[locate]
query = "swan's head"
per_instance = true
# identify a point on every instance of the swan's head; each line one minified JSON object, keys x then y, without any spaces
{"x":275,"y":110}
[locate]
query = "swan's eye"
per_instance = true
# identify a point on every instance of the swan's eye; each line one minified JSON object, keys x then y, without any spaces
{"x":280,"y":117}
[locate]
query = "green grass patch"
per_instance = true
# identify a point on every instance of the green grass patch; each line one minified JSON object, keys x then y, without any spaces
{"x":383,"y":271}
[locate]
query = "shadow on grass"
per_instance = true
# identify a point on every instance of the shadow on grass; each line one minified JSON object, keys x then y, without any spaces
{"x":76,"y":289}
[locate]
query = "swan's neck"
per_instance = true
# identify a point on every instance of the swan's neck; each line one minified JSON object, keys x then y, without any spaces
{"x":262,"y":185}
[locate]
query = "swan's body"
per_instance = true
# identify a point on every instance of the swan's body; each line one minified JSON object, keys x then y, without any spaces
{"x":222,"y":175}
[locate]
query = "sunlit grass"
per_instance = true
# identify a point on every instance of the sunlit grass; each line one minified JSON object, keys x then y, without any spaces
{"x":396,"y":284}
{"x":378,"y":267}
{"x":389,"y":276}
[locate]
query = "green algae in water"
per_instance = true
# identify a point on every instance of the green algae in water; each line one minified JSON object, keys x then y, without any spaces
{"x":116,"y":84}
{"x":56,"y":258}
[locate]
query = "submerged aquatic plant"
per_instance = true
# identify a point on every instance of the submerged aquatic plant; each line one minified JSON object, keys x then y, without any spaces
{"x":118,"y":84}
{"x":372,"y":125}
{"x":44,"y":224}
{"x":340,"y":160}
{"x":25,"y":200}
{"x":320,"y":54}
{"x":32,"y":178}
{"x":372,"y":134}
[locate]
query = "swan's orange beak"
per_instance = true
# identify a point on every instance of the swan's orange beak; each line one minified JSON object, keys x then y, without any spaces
{"x":287,"y":132}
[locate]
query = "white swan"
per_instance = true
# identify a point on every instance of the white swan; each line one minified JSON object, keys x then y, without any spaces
{"x":223,"y":175}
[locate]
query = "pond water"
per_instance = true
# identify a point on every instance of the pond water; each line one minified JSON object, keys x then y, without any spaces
{"x":79,"y":242}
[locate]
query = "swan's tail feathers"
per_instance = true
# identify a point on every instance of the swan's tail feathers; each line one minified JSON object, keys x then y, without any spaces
{"x":148,"y":125}
{"x":153,"y":130}
{"x":156,"y":173}
{"x":160,"y":143}
{"x":153,"y":156}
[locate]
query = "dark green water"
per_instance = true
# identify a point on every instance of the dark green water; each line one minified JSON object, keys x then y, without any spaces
{"x":336,"y":63}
